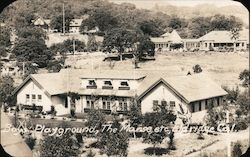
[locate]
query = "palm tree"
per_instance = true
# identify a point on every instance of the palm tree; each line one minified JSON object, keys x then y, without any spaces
{"x":234,"y":36}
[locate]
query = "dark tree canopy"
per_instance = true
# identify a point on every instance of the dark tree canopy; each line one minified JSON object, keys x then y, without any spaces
{"x":32,"y":50}
{"x":6,"y":89}
{"x":244,"y":76}
{"x":35,"y":32}
{"x":4,"y":37}
{"x":57,"y":21}
{"x":67,"y":46}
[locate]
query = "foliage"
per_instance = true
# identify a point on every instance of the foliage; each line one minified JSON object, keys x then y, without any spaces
{"x":119,"y":39}
{"x":67,"y":46}
{"x":146,"y":47}
{"x":5,"y":37}
{"x":31,"y":32}
{"x":233,"y":94}
{"x":57,"y":21}
{"x":90,"y":153}
{"x":6,"y":89}
{"x":32,"y":50}
{"x":171,"y":144}
{"x":115,"y":144}
{"x":162,"y":117}
{"x":243,"y":101}
{"x":197,"y":68}
{"x":92,"y":44}
{"x":74,"y":96}
{"x":30,"y":141}
{"x":151,"y":27}
{"x":135,"y":115}
{"x":62,"y":146}
{"x":244,"y":76}
{"x":101,"y":18}
{"x":236,"y":152}
{"x":157,"y":151}
{"x":55,"y":65}
{"x":241,"y":125}
{"x":95,"y":119}
{"x":214,"y":116}
{"x":29,"y":68}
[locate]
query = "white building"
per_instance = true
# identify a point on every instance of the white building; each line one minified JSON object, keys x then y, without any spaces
{"x":113,"y":91}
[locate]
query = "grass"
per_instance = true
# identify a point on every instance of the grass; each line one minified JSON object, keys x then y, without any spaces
{"x":224,"y":68}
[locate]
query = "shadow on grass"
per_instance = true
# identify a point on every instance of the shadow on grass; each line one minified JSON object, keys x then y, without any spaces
{"x":155,"y":151}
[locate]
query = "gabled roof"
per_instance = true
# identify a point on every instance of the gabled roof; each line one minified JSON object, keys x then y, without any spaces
{"x":76,"y":22}
{"x":189,"y":88}
{"x":224,"y":36}
{"x":173,"y":37}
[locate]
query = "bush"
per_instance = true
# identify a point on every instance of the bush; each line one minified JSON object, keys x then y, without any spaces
{"x":90,"y":153}
{"x":197,"y":68}
{"x":79,"y":138}
{"x":155,"y":151}
{"x":200,"y":136}
{"x":30,"y":141}
{"x":241,"y":126}
{"x":236,"y":152}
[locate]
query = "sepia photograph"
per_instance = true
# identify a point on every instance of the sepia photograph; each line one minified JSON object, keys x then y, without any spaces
{"x":124,"y":78}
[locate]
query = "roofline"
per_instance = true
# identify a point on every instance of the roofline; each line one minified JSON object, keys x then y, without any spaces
{"x":161,"y":80}
{"x":208,"y":98}
{"x":30,"y":77}
{"x":118,"y":78}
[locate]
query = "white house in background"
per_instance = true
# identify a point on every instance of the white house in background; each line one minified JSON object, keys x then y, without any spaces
{"x":113,"y":91}
{"x":74,"y":26}
{"x":214,"y":40}
{"x":166,"y":41}
{"x":42,"y":23}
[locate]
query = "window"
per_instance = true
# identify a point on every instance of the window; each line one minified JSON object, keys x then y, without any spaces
{"x":92,"y":83}
{"x":39,"y":98}
{"x":172,"y":104}
{"x":155,"y":105}
{"x":124,"y":83}
{"x":107,"y":83}
{"x":206,"y":104}
{"x":193,"y":107}
{"x":218,"y":101}
{"x":123,"y":106}
{"x":89,"y":102}
{"x":199,"y":105}
{"x":106,"y":103}
{"x":164,"y":103}
{"x":27,"y":97}
{"x":33,"y":97}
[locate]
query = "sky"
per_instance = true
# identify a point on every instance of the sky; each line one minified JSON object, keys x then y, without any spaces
{"x":148,"y":4}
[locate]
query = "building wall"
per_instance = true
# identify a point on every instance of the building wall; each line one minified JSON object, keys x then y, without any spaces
{"x":32,"y":89}
{"x":161,"y":92}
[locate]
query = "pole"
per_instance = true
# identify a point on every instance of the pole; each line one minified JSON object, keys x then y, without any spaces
{"x":63,"y":20}
{"x":228,"y":137}
{"x":23,"y":69}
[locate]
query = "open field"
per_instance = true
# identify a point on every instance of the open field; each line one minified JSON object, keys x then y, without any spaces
{"x":224,"y":68}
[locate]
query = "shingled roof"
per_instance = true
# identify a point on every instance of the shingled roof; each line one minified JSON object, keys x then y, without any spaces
{"x":188,"y":87}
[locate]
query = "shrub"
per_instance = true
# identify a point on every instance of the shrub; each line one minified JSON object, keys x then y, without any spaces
{"x":197,"y":68}
{"x":79,"y":138}
{"x":30,"y":141}
{"x":236,"y":152}
{"x":241,"y":125}
{"x":90,"y":153}
{"x":200,"y":136}
{"x":155,"y":151}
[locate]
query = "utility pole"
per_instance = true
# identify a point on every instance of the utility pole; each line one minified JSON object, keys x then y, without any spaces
{"x":63,"y":20}
{"x":23,"y":69}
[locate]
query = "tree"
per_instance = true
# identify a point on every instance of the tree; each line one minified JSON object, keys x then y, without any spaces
{"x":243,"y":101}
{"x":32,"y":50}
{"x":151,"y":27}
{"x":235,"y":34}
{"x":115,"y":144}
{"x":101,"y":18}
{"x":236,"y":152}
{"x":73,"y":97}
{"x":29,"y":68}
{"x":162,"y":117}
{"x":4,"y":37}
{"x":95,"y":118}
{"x":135,"y":115}
{"x":67,"y":46}
{"x":57,"y":21}
{"x":146,"y":47}
{"x":244,"y":76}
{"x":92,"y":45}
{"x":233,"y":94}
{"x":55,"y":65}
{"x":28,"y":32}
{"x":119,"y":39}
{"x":197,"y":68}
{"x":6,"y":89}
{"x":60,"y":146}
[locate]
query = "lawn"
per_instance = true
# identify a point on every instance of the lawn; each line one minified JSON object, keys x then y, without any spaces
{"x":224,"y":68}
